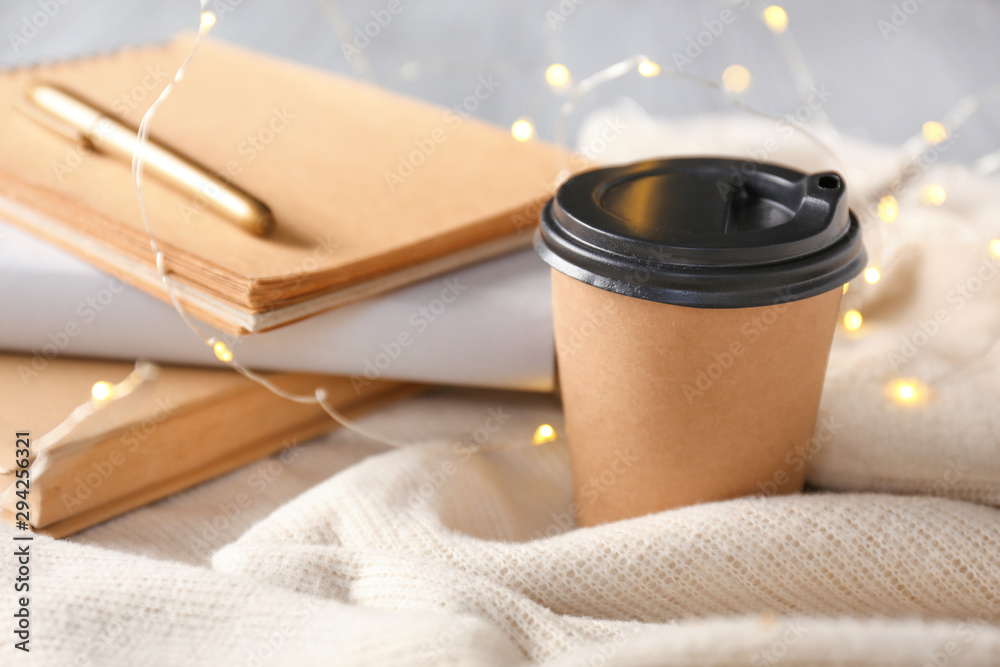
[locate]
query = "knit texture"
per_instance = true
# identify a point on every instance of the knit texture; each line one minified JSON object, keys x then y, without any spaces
{"x":461,"y":550}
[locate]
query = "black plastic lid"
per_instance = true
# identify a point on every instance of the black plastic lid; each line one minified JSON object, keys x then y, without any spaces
{"x":703,"y":232}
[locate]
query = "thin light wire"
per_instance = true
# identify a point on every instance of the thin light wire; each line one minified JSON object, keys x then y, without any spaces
{"x":801,"y":74}
{"x":953,"y":119}
{"x":143,"y":372}
{"x":917,"y":147}
{"x":319,"y":397}
{"x":631,"y":64}
{"x":335,"y":16}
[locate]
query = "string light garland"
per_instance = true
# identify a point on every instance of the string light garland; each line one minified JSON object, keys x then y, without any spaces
{"x":522,"y":129}
{"x":221,"y":350}
{"x":102,"y":394}
{"x":934,"y":132}
{"x":640,"y":63}
{"x":207,"y":21}
{"x":649,"y":69}
{"x":557,"y":75}
{"x":356,"y":57}
{"x":102,"y":391}
{"x":735,"y":79}
{"x":933,"y":194}
{"x":888,"y":209}
{"x":908,"y":392}
{"x":544,"y":434}
{"x":776,"y":19}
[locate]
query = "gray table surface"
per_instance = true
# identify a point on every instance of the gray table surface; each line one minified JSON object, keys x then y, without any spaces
{"x":885,"y":84}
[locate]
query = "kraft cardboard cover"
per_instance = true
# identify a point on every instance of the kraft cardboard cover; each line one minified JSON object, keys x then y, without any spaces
{"x":370,"y":190}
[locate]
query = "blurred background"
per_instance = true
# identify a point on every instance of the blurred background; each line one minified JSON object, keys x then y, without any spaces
{"x":888,"y":66}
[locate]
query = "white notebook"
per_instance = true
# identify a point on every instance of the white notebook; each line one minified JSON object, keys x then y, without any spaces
{"x":489,"y":325}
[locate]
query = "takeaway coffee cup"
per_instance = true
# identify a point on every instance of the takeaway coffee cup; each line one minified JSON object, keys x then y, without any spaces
{"x":695,"y":301}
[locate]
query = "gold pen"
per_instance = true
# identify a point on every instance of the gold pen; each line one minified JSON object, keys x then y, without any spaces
{"x":65,"y":113}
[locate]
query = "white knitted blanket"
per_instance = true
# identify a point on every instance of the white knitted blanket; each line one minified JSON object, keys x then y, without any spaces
{"x":460,"y":550}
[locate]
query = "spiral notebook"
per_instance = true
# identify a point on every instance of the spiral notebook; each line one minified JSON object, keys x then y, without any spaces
{"x":370,"y":190}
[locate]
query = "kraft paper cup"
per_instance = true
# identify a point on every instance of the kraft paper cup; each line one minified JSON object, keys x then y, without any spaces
{"x":694,"y":313}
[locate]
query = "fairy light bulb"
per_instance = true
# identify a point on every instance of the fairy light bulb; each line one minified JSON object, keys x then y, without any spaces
{"x":933,"y":195}
{"x":557,"y":75}
{"x":207,"y":21}
{"x":852,"y":320}
{"x":222,"y":351}
{"x":934,"y":132}
{"x":522,"y":129}
{"x":906,"y":392}
{"x":995,"y":247}
{"x":847,"y":286}
{"x":888,"y":209}
{"x":776,"y":19}
{"x":872,"y":275}
{"x":102,"y":391}
{"x":648,"y":68}
{"x":543,"y":434}
{"x":736,"y":78}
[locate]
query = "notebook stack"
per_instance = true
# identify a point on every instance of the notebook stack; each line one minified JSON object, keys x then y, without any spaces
{"x":396,"y":261}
